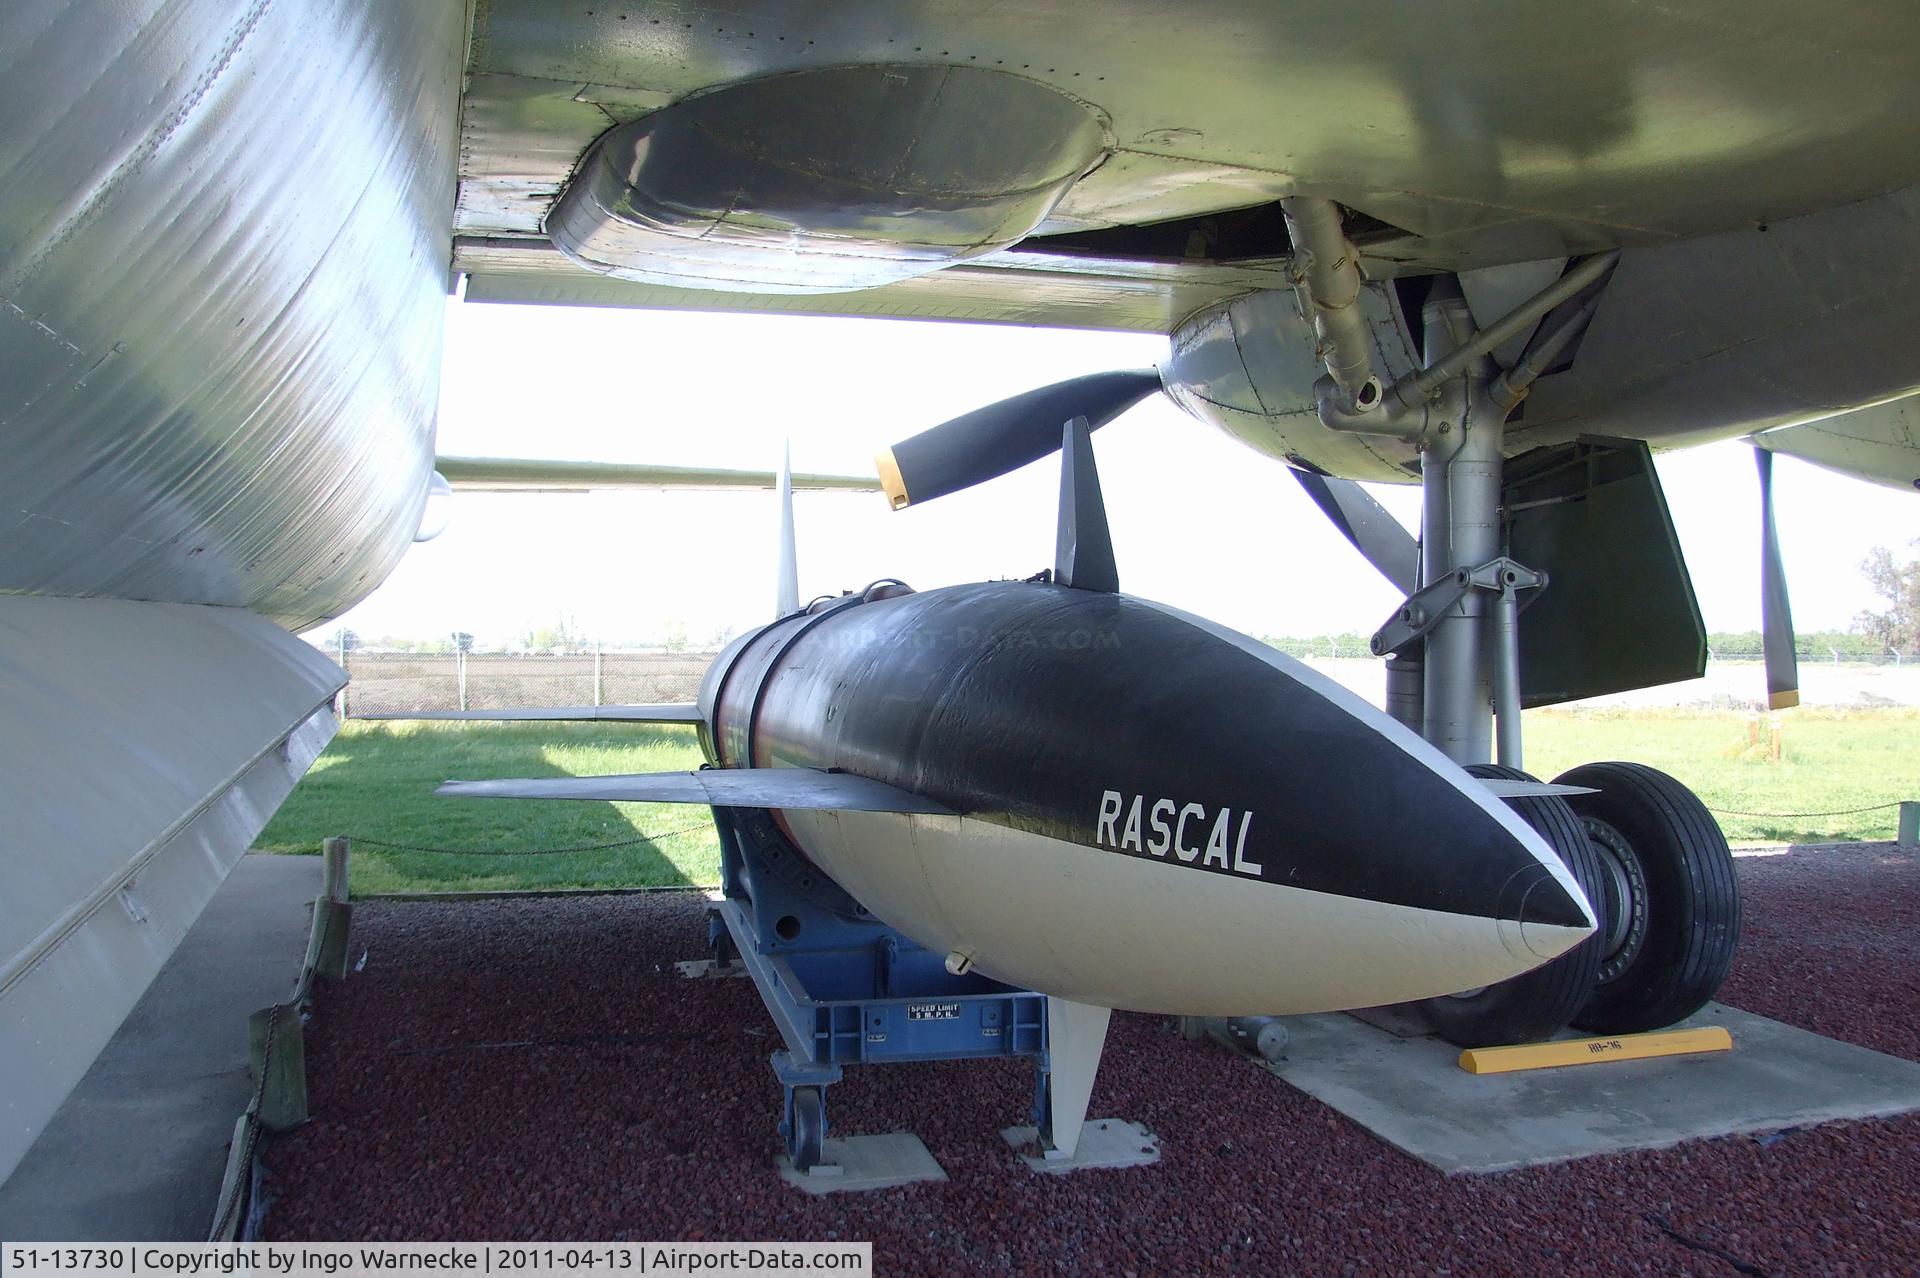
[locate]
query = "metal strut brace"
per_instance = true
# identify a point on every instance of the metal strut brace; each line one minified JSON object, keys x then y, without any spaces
{"x":1427,"y":607}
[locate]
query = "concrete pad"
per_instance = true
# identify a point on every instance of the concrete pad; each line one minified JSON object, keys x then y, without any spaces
{"x":137,"y":1150}
{"x":1104,"y":1143}
{"x":1411,"y":1092}
{"x":1397,"y":1019}
{"x":866,"y":1162}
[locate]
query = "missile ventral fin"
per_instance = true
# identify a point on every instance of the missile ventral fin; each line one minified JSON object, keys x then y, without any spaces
{"x":688,"y":713}
{"x":795,"y":789}
{"x":1083,"y":547}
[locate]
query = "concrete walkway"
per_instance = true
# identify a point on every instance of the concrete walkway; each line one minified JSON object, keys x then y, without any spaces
{"x":137,"y":1151}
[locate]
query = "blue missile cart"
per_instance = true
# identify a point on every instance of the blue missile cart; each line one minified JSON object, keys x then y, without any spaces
{"x":846,"y":989}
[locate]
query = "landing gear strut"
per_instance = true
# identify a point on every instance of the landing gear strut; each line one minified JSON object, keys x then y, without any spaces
{"x":1652,"y":861}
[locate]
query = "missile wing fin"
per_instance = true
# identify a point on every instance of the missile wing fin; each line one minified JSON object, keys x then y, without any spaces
{"x":1083,"y":546}
{"x":1505,"y":789}
{"x":799,"y":789}
{"x":688,"y":713}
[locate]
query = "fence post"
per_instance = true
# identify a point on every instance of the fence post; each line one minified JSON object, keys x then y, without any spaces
{"x":460,"y":673}
{"x":596,"y":672}
{"x":340,"y":640}
{"x":1910,"y":824}
{"x":333,"y":917}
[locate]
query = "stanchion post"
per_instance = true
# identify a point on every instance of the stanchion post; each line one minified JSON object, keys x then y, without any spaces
{"x":1910,"y":824}
{"x":332,"y":916}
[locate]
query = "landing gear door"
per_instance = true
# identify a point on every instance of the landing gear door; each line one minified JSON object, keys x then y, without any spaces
{"x":1619,"y":610}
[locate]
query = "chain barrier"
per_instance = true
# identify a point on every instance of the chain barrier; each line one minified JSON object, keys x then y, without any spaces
{"x":240,"y":1182}
{"x":362,"y":840}
{"x":1876,"y":807}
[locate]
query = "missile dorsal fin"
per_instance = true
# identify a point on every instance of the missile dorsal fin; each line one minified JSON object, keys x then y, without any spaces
{"x":786,"y":589}
{"x":1083,"y":547}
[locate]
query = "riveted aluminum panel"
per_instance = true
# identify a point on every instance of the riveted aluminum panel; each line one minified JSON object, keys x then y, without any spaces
{"x":1506,"y":133}
{"x":1880,"y":443}
{"x":223,"y":256}
{"x":142,"y":746}
{"x":1748,"y":330}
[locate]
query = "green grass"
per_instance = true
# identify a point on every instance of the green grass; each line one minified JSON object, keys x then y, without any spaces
{"x":1830,"y":759}
{"x":376,"y":782}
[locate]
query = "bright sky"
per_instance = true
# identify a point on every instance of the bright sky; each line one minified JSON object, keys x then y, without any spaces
{"x":1198,"y":520}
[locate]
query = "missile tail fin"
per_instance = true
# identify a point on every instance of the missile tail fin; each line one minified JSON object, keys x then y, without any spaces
{"x":1083,"y":547}
{"x":787,"y":581}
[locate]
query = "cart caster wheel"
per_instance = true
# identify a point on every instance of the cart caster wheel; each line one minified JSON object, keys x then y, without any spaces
{"x":720,"y":942}
{"x":1538,"y":1004}
{"x":1672,"y":905}
{"x":807,"y":1139}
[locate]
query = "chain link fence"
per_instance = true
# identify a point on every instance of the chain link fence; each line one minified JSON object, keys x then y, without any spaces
{"x":396,"y":682}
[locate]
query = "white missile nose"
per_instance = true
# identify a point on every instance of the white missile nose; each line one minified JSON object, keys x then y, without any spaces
{"x":1553,"y":915}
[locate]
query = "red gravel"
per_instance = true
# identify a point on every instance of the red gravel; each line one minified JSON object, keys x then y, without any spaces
{"x":533,"y":1069}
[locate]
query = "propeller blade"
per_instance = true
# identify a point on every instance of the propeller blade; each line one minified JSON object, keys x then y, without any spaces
{"x":1376,"y":534}
{"x":1002,"y":437}
{"x":1776,"y":615}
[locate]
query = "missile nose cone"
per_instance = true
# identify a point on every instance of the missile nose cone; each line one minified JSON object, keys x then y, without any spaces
{"x":1548,"y":914}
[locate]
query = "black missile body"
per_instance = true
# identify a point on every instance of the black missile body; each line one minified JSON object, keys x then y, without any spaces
{"x":1026,"y":704}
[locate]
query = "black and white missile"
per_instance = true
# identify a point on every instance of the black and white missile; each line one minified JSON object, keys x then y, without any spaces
{"x":1112,"y":801}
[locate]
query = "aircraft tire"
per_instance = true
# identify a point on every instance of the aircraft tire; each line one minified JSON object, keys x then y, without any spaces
{"x":1665,"y":860}
{"x":1538,"y":1004}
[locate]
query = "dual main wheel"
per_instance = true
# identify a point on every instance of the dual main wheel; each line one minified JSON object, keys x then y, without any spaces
{"x":1658,"y":874}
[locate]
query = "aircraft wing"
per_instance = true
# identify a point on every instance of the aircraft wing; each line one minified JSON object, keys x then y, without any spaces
{"x":1880,"y":443}
{"x":1459,"y":137}
{"x":539,"y":475}
{"x":660,"y":713}
{"x":796,"y":788}
{"x":1027,"y":285}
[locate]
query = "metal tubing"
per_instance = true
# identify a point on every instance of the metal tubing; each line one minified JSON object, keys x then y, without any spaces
{"x":1413,"y":389}
{"x":1460,"y":528}
{"x":1511,"y":387}
{"x":1403,"y":410}
{"x":1332,"y":279}
{"x":1506,"y":676}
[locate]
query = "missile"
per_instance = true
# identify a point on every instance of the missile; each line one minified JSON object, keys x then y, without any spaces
{"x":1114,"y":802}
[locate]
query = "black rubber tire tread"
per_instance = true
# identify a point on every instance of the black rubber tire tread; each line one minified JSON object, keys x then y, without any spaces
{"x":1538,"y":1004}
{"x":809,"y":1128}
{"x":1693,"y":911}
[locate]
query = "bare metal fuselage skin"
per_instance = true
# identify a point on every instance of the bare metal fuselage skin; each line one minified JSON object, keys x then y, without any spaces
{"x":223,"y":270}
{"x":228,"y":227}
{"x":223,"y":265}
